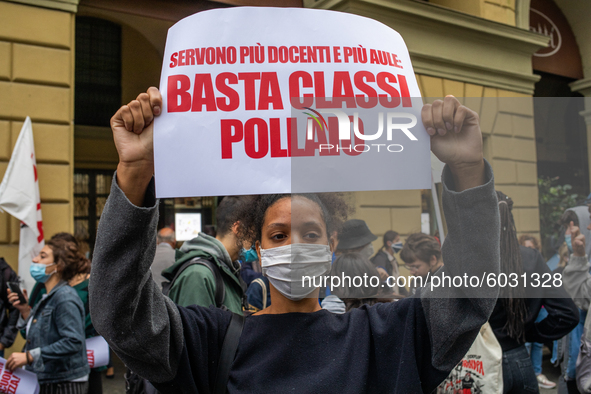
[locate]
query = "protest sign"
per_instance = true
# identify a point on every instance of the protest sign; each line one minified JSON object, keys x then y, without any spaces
{"x":273,"y":100}
{"x":18,"y":381}
{"x":97,"y":352}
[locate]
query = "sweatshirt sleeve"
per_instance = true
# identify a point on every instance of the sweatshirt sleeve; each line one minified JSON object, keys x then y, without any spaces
{"x":577,"y":280}
{"x":141,"y":325}
{"x":471,"y":251}
{"x":563,"y":315}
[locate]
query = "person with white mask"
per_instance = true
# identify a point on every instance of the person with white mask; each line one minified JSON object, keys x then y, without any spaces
{"x":293,"y":345}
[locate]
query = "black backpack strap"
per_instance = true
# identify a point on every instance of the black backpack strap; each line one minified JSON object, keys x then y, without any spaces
{"x":220,"y":290}
{"x":228,"y":353}
{"x":244,"y":287}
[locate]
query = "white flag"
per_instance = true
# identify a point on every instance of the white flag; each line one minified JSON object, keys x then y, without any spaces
{"x":19,"y":196}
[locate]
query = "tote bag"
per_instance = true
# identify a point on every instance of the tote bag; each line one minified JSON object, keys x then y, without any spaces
{"x":481,"y":369}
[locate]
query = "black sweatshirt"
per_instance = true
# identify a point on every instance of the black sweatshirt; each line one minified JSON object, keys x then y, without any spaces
{"x":320,"y":352}
{"x":562,"y":317}
{"x":408,"y":346}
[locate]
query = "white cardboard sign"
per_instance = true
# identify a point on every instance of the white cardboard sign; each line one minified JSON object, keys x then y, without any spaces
{"x":97,"y":352}
{"x":278,"y":100}
{"x":18,"y":381}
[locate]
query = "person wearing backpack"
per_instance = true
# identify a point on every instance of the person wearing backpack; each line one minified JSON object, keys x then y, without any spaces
{"x":204,"y":262}
{"x":8,"y":313}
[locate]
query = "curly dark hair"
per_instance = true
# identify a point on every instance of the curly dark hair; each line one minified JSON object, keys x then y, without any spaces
{"x":67,"y":257}
{"x":66,"y":237}
{"x":333,"y":207}
{"x":228,"y":212}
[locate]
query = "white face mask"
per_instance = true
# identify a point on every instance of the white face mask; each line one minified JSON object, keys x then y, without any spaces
{"x":367,"y":251}
{"x":286,"y":265}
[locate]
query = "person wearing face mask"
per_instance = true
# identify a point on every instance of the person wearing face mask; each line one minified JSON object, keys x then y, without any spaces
{"x":55,"y":349}
{"x":79,"y":283}
{"x":577,"y":215}
{"x":257,"y":292}
{"x":580,"y":217}
{"x":385,"y":257}
{"x":293,"y":345}
{"x":250,"y":269}
{"x":386,"y":260}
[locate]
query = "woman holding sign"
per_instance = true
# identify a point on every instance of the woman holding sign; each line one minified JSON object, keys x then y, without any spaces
{"x":294,"y":345}
{"x":55,"y":350}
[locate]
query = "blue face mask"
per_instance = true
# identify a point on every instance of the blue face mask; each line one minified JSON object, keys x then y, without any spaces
{"x":569,"y":242}
{"x":250,"y":255}
{"x":397,"y":247}
{"x":37,"y":271}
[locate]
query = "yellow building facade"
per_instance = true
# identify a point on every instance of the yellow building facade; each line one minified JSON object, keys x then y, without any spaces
{"x":37,"y":80}
{"x":472,"y":50}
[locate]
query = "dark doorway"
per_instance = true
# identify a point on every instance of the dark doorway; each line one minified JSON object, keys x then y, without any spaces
{"x":561,"y":133}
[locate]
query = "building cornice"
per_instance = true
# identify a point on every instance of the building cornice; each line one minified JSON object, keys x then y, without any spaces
{"x":450,"y":44}
{"x":61,"y":5}
{"x":582,"y":86}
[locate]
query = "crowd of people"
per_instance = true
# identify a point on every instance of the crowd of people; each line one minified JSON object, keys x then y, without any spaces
{"x":230,"y":310}
{"x":306,"y":337}
{"x":56,"y":319}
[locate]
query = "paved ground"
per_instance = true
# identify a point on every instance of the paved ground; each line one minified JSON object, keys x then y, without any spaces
{"x":551,"y":372}
{"x":116,"y":385}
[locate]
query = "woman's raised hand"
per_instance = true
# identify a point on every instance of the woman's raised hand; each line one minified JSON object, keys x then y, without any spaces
{"x":132,"y":127}
{"x":577,"y":240}
{"x":456,"y":140}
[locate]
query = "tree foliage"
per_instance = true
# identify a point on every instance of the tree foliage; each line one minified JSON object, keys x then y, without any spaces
{"x":554,"y":200}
